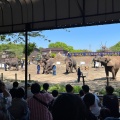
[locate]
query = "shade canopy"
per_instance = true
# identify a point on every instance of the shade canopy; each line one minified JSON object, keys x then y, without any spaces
{"x":54,"y":14}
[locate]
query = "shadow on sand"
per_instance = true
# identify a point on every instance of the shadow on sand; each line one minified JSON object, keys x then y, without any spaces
{"x":102,"y":78}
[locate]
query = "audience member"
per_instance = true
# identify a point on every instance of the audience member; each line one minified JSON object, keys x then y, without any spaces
{"x":69,"y":88}
{"x":55,"y":93}
{"x":19,"y":109}
{"x":14,"y":89}
{"x":104,"y":113}
{"x":110,"y":101}
{"x":45,"y":87}
{"x":111,"y":118}
{"x":5,"y":101}
{"x":38,"y":104}
{"x":68,"y":107}
{"x":89,"y":100}
{"x":95,"y":108}
{"x":81,"y":94}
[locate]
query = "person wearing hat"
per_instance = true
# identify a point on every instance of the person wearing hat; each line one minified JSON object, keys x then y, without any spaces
{"x":79,"y":73}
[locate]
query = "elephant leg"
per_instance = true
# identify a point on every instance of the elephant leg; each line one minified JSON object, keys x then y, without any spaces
{"x":43,"y":70}
{"x":9,"y":67}
{"x":49,"y":69}
{"x":113,"y":74}
{"x":71,"y":69}
{"x":116,"y":72}
{"x":75,"y":68}
{"x":67,"y":69}
{"x":17,"y":67}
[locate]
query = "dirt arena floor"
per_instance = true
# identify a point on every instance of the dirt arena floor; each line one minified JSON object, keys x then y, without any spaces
{"x":94,"y":77}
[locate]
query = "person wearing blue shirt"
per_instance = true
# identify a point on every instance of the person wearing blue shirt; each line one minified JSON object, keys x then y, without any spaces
{"x":68,"y":55}
{"x":5,"y":66}
{"x":38,"y":68}
{"x":54,"y":69}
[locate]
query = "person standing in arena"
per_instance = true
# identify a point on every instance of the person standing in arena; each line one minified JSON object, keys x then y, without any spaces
{"x":79,"y":73}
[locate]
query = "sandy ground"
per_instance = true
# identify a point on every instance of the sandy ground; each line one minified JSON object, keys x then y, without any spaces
{"x":61,"y":77}
{"x":94,"y":78}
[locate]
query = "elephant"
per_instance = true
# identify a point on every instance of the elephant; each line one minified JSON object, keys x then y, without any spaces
{"x":110,"y":64}
{"x":43,"y":61}
{"x":70,"y":64}
{"x":13,"y":64}
{"x":47,"y":65}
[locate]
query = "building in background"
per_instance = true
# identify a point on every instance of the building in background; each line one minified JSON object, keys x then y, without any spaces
{"x":54,"y":50}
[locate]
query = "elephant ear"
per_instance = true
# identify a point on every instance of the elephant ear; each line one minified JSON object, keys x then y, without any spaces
{"x":110,"y":63}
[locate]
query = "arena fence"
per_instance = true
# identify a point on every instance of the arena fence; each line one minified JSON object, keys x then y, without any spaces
{"x":95,"y":53}
{"x":29,"y":78}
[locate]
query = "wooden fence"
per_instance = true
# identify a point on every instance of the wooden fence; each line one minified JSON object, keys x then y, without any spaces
{"x":29,"y":78}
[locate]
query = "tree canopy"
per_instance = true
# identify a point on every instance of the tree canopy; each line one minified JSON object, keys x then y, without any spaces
{"x":65,"y":47}
{"x":18,"y":49}
{"x":115,"y":47}
{"x":31,"y":47}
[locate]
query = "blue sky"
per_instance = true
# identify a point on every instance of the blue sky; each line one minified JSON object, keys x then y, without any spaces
{"x":90,"y":37}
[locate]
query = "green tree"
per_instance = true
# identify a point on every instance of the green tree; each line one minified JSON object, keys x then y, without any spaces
{"x":20,"y":37}
{"x":115,"y":47}
{"x":31,"y":47}
{"x":60,"y":45}
{"x":13,"y":47}
{"x":65,"y":47}
{"x":14,"y":38}
{"x":40,"y":48}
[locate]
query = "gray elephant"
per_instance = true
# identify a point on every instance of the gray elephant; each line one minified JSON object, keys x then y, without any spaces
{"x":13,"y":64}
{"x":110,"y":64}
{"x":43,"y":61}
{"x":70,"y":64}
{"x":47,"y":65}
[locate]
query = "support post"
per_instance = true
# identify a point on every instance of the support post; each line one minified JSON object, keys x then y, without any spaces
{"x":15,"y":76}
{"x":107,"y":81}
{"x":2,"y":76}
{"x":26,"y":58}
{"x":83,"y":80}
{"x":29,"y":77}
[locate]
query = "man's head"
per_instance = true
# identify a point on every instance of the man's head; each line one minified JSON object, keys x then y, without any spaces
{"x":68,"y":107}
{"x":89,"y":100}
{"x":69,"y":88}
{"x":54,"y":93}
{"x":20,"y":92}
{"x":85,"y":88}
{"x":35,"y":88}
{"x":109,"y":89}
{"x":46,"y":86}
{"x":15,"y":84}
{"x":81,"y":93}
